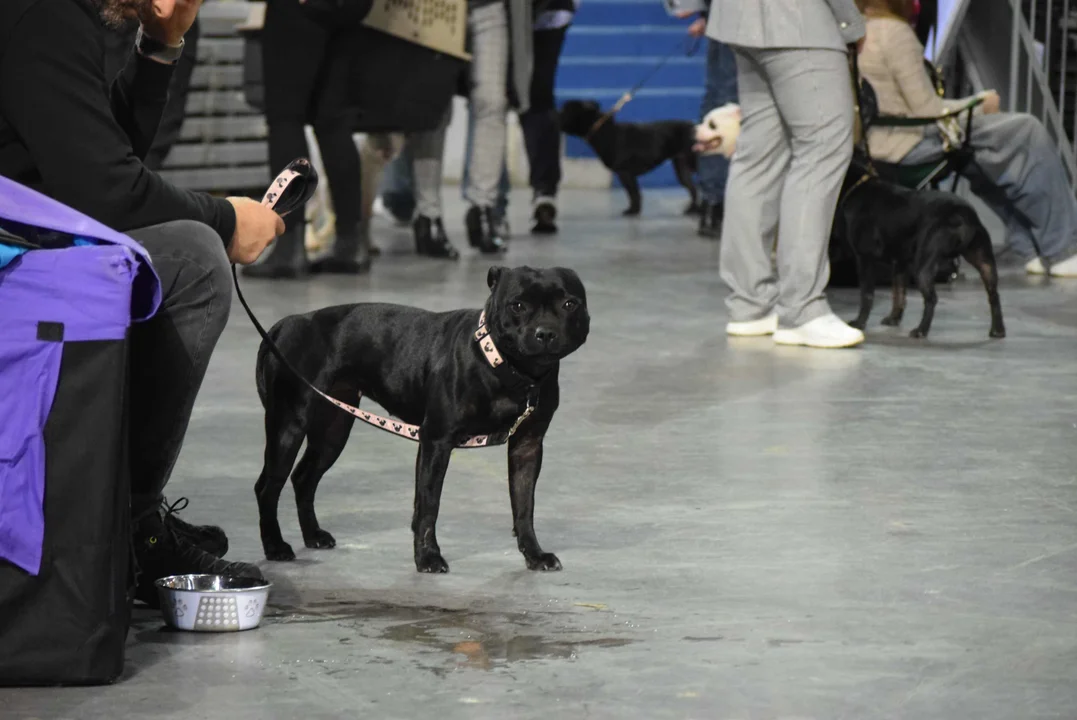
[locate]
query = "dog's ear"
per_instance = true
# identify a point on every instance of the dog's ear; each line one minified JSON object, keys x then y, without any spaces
{"x":494,"y":275}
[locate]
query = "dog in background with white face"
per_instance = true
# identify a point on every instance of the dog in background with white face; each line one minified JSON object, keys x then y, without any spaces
{"x":717,"y":133}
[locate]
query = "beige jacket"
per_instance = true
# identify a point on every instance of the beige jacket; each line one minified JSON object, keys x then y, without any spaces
{"x":893,"y":62}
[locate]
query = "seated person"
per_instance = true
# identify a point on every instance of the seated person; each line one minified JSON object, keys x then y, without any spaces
{"x":1017,"y":169}
{"x":64,"y":133}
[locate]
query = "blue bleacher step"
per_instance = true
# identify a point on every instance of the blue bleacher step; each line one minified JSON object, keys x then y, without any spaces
{"x":622,"y":40}
{"x":590,"y":72}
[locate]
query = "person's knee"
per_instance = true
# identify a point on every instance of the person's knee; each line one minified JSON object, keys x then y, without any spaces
{"x":488,"y":101}
{"x":208,"y":270}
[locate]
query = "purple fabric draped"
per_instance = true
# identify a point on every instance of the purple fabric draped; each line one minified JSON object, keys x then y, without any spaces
{"x":47,"y":298}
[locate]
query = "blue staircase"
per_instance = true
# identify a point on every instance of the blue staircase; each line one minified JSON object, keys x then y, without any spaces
{"x":610,"y":47}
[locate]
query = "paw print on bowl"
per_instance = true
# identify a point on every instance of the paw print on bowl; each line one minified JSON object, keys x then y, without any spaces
{"x":251,"y":609}
{"x":179,"y":607}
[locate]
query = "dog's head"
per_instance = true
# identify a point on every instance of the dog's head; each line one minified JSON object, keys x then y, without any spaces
{"x":717,"y":134}
{"x":579,"y":116}
{"x":537,"y":316}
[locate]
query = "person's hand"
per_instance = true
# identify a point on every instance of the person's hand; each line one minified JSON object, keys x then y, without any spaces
{"x":167,"y":21}
{"x":992,"y":102}
{"x":698,"y":27}
{"x":256,"y":227}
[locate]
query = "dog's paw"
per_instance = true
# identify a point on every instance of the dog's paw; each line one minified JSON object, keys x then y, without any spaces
{"x":321,"y":540}
{"x":857,"y":323}
{"x":546,"y":562}
{"x":997,"y":332}
{"x":918,"y":334}
{"x":280,"y":553}
{"x":631,"y":212}
{"x":891,"y":321}
{"x":431,"y":562}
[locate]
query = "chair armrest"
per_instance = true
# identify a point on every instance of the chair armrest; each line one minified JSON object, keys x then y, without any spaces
{"x":898,"y":121}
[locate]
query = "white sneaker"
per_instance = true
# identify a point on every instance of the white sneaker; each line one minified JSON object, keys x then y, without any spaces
{"x":1035,"y":267}
{"x":753,"y":328}
{"x":1067,"y":268}
{"x":828,"y":331}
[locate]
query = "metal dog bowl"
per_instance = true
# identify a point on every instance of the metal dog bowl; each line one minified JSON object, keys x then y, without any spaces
{"x":212,"y":603}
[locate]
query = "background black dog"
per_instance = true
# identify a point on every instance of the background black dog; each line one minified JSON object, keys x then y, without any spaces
{"x":633,"y":149}
{"x":917,"y":231}
{"x":426,"y":369}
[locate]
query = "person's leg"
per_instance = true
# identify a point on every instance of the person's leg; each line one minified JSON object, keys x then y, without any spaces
{"x":1015,"y":153}
{"x":753,"y":196}
{"x":169,"y":356}
{"x":489,"y":104}
{"x":398,"y":187}
{"x":542,"y":133}
{"x":427,"y":152}
{"x":814,"y":97}
{"x":720,"y":88}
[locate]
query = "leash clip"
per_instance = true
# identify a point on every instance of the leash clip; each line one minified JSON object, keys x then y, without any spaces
{"x":520,"y":420}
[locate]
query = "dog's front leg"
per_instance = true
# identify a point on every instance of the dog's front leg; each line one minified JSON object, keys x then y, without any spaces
{"x":866,"y":275}
{"x":430,"y":467}
{"x":631,"y":186}
{"x":897,"y":310}
{"x":525,"y":462}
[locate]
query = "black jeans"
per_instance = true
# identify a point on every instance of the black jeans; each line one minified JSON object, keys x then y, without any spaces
{"x":542,"y":131}
{"x":171,"y":351}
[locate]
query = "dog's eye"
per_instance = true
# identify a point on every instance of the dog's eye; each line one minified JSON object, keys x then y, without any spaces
{"x":570,"y":305}
{"x":517,"y":307}
{"x":712,"y":125}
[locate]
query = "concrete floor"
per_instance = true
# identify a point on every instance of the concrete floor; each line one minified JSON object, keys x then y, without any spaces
{"x":747,"y":531}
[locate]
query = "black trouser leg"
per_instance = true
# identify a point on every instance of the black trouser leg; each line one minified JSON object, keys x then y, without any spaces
{"x":542,"y":135}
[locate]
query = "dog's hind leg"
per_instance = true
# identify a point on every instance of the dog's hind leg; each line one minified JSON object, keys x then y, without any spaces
{"x":327,"y":434}
{"x":982,"y":257}
{"x":897,"y":309}
{"x":683,"y":167}
{"x":631,"y":185}
{"x":284,"y":436}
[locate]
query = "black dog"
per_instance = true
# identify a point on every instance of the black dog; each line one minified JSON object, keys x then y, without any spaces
{"x":915,"y":231}
{"x":427,"y":369}
{"x":633,"y":149}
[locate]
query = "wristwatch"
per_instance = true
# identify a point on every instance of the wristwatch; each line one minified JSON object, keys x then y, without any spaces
{"x":156,"y":50}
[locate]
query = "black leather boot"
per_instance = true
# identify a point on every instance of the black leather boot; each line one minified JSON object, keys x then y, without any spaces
{"x":286,"y":259}
{"x":431,"y":240}
{"x":482,"y":231}
{"x":350,"y":254}
{"x":544,"y":216}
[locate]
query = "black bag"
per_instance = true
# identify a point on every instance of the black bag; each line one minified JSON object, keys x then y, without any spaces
{"x":68,"y":625}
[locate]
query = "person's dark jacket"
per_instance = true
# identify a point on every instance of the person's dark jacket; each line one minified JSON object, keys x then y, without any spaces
{"x":66,"y":133}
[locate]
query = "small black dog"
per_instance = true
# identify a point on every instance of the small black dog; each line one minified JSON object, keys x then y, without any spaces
{"x":427,"y":369}
{"x":915,"y":231}
{"x":633,"y":149}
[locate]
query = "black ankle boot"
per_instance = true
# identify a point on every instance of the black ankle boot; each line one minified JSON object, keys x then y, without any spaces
{"x":544,"y":216}
{"x":350,"y":254}
{"x":482,"y":231}
{"x":160,"y":552}
{"x":431,"y":240}
{"x":208,"y":538}
{"x":286,"y":260}
{"x":710,"y":220}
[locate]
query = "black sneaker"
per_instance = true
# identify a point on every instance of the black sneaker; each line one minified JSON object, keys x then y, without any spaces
{"x":431,"y":240}
{"x":482,"y":231}
{"x":208,"y":538}
{"x":161,"y":552}
{"x":545,"y":216}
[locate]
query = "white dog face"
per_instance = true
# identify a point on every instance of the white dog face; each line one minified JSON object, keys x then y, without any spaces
{"x":717,"y":134}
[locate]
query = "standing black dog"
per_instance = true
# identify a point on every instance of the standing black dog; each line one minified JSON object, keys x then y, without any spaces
{"x":428,"y":369}
{"x":633,"y":149}
{"x":915,"y":231}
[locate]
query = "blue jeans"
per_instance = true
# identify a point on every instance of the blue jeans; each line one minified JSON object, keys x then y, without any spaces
{"x":720,"y":88}
{"x":398,"y":186}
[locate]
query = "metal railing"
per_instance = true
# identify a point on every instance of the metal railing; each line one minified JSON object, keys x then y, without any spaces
{"x":1031,"y":89}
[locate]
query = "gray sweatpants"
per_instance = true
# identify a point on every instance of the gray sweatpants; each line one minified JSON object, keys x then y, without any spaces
{"x":488,"y":104}
{"x":795,"y":144}
{"x":1019,"y":176}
